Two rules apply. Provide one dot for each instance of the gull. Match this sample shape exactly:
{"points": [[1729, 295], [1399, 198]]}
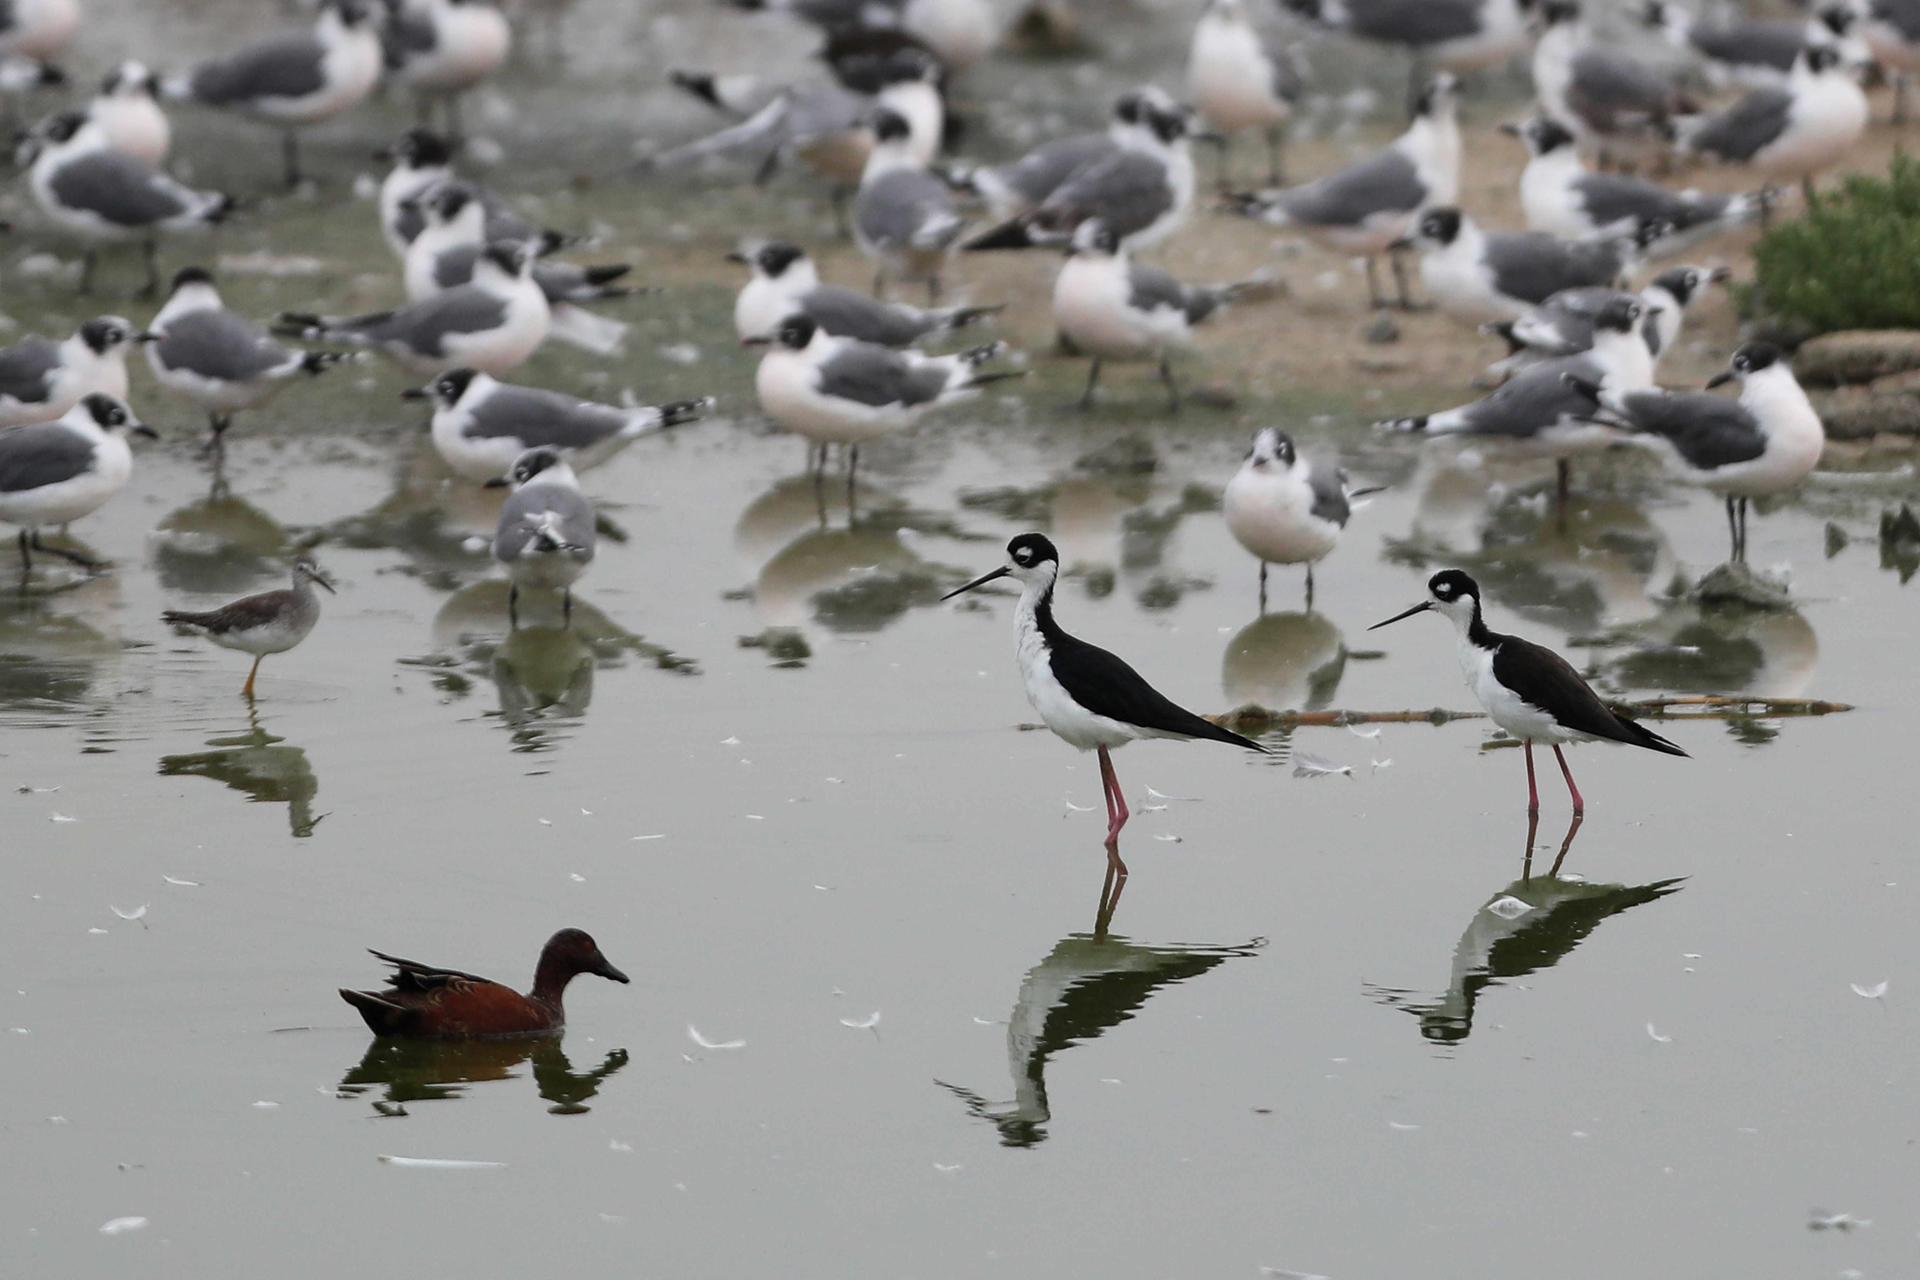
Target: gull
{"points": [[40, 379], [1787, 133], [1751, 54], [53, 473], [127, 109], [270, 622], [1240, 81], [1892, 33], [443, 48], [1109, 307], [297, 78], [422, 160], [38, 29], [1021, 186], [1563, 324], [100, 195], [1458, 36], [493, 323], [904, 219], [1283, 509], [480, 426], [1363, 210], [219, 360], [959, 32], [1527, 689], [1609, 98], [546, 533], [1483, 276], [786, 282]]}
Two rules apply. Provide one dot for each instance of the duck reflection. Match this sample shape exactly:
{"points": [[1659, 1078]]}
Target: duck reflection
{"points": [[404, 1071], [260, 766], [1086, 986], [1526, 927], [1768, 653], [1597, 562], [1284, 661], [219, 545]]}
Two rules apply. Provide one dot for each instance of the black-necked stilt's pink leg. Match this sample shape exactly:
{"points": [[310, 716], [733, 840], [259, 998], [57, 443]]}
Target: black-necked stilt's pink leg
{"points": [[1573, 829], [1579, 805], [1533, 792], [1120, 811]]}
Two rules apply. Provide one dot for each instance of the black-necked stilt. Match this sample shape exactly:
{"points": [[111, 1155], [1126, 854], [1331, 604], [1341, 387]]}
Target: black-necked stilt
{"points": [[480, 426], [1528, 690], [100, 195], [785, 282], [1796, 131], [41, 379], [843, 391], [52, 473], [1091, 699], [1613, 99], [271, 622], [1562, 197], [1240, 80], [1766, 442], [218, 359], [1143, 190], [1109, 307], [127, 109], [297, 78], [547, 531], [1367, 208], [1489, 276], [493, 323], [1285, 510]]}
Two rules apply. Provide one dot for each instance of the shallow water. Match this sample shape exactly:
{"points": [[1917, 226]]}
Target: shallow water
{"points": [[1332, 1026]]}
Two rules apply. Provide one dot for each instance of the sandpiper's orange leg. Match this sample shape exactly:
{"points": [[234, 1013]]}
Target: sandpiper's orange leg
{"points": [[247, 692]]}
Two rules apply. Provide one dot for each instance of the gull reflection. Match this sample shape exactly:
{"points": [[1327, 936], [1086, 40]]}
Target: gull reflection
{"points": [[1764, 653], [854, 580], [404, 1071], [1284, 661], [51, 657], [260, 766], [793, 506], [219, 545], [1526, 927], [1087, 985]]}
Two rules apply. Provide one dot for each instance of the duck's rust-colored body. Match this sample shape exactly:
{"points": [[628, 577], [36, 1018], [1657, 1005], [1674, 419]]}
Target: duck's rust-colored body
{"points": [[445, 1004]]}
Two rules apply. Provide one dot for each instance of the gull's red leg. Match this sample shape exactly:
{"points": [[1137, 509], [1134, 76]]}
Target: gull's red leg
{"points": [[1579, 805], [1533, 792]]}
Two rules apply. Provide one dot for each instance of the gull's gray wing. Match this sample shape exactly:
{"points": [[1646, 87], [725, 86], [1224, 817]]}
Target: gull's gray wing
{"points": [[540, 417], [1615, 198], [875, 376], [846, 313], [541, 512], [39, 455], [1128, 191], [1035, 176], [1329, 486], [1533, 266], [908, 208], [1385, 183], [1756, 44], [1611, 90], [1149, 289], [286, 66], [1413, 22], [218, 344], [1536, 397], [1902, 15], [408, 34], [1563, 324], [426, 325], [117, 188], [1707, 430], [25, 368], [1746, 126], [454, 267]]}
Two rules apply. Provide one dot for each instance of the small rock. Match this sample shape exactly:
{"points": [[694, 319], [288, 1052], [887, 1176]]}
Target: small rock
{"points": [[786, 646], [1382, 330], [1856, 413], [1857, 356], [1739, 586]]}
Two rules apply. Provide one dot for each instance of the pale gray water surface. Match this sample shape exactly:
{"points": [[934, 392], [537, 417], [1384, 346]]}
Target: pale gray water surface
{"points": [[1322, 1035]]}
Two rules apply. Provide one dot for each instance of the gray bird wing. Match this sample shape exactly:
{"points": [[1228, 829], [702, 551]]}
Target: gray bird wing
{"points": [[1614, 198], [539, 417], [1612, 91], [1284, 74], [1768, 44], [1385, 183], [1746, 126], [1128, 191], [875, 376], [1329, 486], [36, 456], [1413, 22], [218, 344], [846, 313], [1535, 398], [286, 66], [1902, 15], [426, 325], [503, 223], [1035, 176], [454, 267], [1563, 324], [25, 368], [530, 510], [1707, 430], [907, 208], [1533, 266], [118, 188], [1149, 288], [408, 34]]}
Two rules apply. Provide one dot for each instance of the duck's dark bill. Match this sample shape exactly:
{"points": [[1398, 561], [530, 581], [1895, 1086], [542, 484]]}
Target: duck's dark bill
{"points": [[608, 971], [980, 581], [1422, 607]]}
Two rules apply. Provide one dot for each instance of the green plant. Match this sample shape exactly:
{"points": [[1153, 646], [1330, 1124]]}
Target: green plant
{"points": [[1852, 260]]}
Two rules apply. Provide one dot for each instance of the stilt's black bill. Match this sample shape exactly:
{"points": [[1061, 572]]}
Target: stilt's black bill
{"points": [[1422, 607], [980, 581]]}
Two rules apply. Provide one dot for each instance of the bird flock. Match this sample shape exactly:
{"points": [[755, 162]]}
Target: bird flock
{"points": [[1587, 298]]}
